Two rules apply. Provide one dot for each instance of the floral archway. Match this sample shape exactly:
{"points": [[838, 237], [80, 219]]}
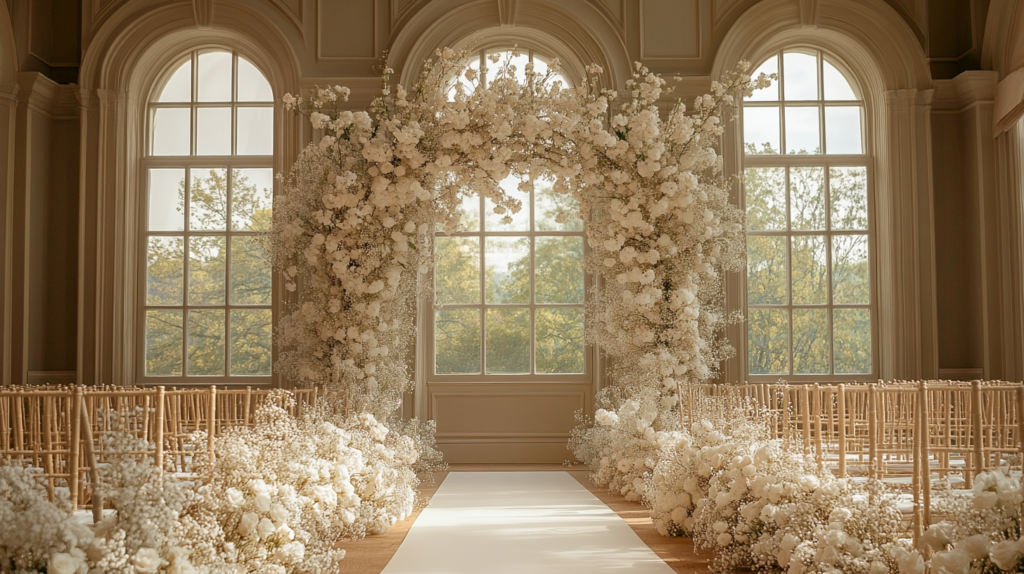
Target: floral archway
{"points": [[354, 227]]}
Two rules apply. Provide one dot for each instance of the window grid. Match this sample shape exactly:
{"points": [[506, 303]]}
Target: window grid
{"points": [[195, 166], [788, 162], [482, 234]]}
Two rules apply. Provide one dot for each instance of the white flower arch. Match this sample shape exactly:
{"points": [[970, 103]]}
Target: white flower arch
{"points": [[356, 218]]}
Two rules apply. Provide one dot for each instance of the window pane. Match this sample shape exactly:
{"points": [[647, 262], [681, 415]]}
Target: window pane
{"points": [[507, 261], [163, 342], [213, 131], [207, 263], [252, 85], [250, 272], [766, 270], [765, 189], [559, 340], [559, 274], [251, 334], [807, 198], [848, 188], [802, 129], [516, 221], [172, 131], [800, 76], [810, 270], [255, 131], [842, 130], [179, 86], [214, 80], [761, 130], [457, 341], [836, 85], [208, 199], [768, 341], [851, 333], [165, 269], [469, 214], [810, 342], [166, 200], [550, 207], [508, 341], [506, 56], [457, 270], [206, 342], [771, 93], [252, 199], [850, 284]]}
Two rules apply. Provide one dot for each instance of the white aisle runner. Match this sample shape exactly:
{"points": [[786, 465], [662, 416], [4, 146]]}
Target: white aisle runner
{"points": [[522, 523]]}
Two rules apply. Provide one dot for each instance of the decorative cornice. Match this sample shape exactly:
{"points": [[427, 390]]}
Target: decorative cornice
{"points": [[40, 93], [965, 90]]}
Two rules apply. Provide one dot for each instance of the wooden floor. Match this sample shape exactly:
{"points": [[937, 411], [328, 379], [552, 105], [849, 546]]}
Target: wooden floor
{"points": [[372, 554]]}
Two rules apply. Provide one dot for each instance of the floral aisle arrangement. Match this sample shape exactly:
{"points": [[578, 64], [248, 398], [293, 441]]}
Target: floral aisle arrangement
{"points": [[983, 533], [274, 499], [762, 505]]}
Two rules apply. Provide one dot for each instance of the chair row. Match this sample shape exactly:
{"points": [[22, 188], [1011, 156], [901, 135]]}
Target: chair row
{"points": [[59, 430], [906, 433]]}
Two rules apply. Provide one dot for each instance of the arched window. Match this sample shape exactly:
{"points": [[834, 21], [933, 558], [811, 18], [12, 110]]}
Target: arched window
{"points": [[510, 288], [810, 300], [205, 313]]}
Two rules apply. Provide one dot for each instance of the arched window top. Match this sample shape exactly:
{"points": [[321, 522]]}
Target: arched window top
{"points": [[813, 108], [219, 77], [215, 103], [492, 59]]}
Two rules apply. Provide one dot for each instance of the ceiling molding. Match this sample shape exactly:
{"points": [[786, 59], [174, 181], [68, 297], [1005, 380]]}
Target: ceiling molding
{"points": [[809, 13], [203, 10], [507, 12]]}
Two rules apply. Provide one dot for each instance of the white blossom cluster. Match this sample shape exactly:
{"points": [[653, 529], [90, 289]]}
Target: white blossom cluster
{"points": [[274, 499], [623, 446], [764, 505], [664, 232], [37, 535], [983, 534]]}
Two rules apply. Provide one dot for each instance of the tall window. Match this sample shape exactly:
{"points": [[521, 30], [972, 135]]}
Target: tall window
{"points": [[509, 288], [206, 286], [810, 299]]}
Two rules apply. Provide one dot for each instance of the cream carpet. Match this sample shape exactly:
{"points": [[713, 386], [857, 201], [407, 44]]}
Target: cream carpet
{"points": [[521, 522]]}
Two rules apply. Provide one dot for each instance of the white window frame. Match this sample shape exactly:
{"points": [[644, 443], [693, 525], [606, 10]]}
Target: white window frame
{"points": [[190, 163], [825, 161], [429, 349]]}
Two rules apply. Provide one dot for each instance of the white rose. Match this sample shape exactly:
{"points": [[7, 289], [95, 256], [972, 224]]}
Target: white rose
{"points": [[263, 502], [265, 528], [909, 561], [975, 546], [278, 513], [951, 562], [724, 539], [64, 563], [235, 496], [1004, 554], [290, 553], [147, 561], [879, 567], [287, 532], [789, 542], [248, 523], [985, 500]]}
